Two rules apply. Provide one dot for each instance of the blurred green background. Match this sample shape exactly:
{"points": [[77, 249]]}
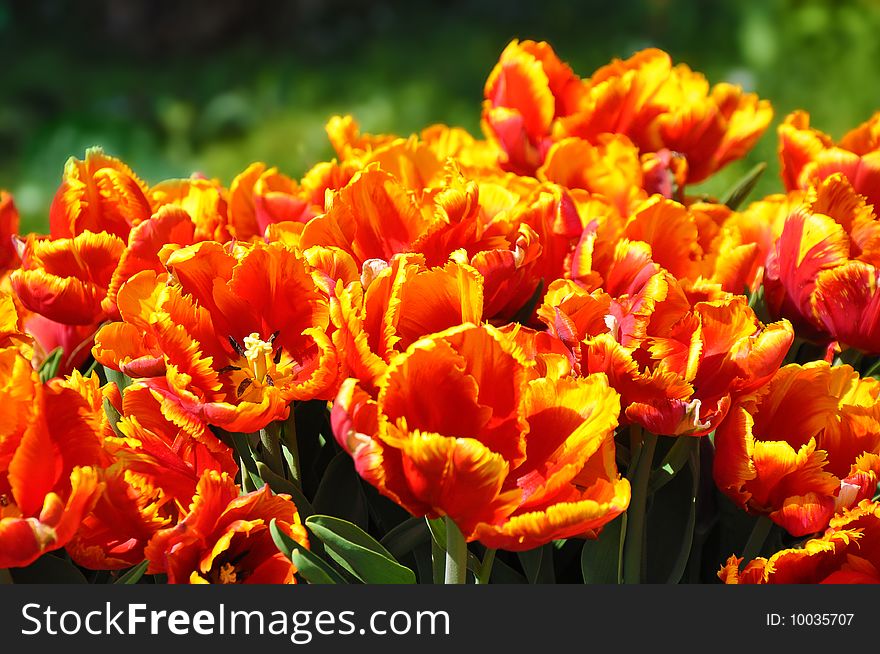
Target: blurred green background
{"points": [[211, 86]]}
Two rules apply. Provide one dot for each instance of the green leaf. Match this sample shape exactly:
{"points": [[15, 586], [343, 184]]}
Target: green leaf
{"points": [[49, 368], [358, 552], [340, 494], [406, 537], [133, 575], [309, 566], [250, 473], [504, 574], [680, 565], [121, 380], [113, 417], [600, 558], [282, 485], [675, 459], [538, 564], [737, 194], [49, 569], [671, 521]]}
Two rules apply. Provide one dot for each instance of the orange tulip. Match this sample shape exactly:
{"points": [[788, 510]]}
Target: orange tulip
{"points": [[66, 280], [219, 339], [662, 108], [149, 483], [407, 301], [205, 201], [802, 448], [516, 460], [809, 156], [610, 168], [225, 539], [373, 217], [492, 228], [822, 272], [98, 194], [482, 225], [418, 161], [262, 196], [527, 91], [169, 226], [50, 449], [847, 553], [677, 366]]}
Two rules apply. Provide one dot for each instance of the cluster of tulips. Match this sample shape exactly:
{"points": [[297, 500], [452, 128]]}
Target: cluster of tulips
{"points": [[444, 358]]}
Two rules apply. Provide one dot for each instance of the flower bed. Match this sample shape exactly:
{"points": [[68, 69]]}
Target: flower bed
{"points": [[534, 356]]}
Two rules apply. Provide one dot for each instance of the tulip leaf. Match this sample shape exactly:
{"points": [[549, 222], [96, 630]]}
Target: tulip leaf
{"points": [[538, 564], [358, 552], [671, 521], [406, 537], [680, 565], [676, 458], [281, 485], [309, 565], [49, 569], [737, 194], [113, 417], [600, 558], [121, 380], [134, 574], [49, 367], [504, 574], [340, 493], [250, 473]]}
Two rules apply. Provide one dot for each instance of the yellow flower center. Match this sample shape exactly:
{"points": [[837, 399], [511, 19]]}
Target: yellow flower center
{"points": [[259, 355], [227, 574]]}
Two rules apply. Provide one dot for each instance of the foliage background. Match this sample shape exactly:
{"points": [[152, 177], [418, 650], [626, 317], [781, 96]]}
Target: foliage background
{"points": [[211, 86]]}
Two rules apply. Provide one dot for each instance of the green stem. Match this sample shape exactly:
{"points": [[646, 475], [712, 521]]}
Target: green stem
{"points": [[756, 539], [270, 437], [290, 448], [633, 550], [486, 567], [456, 554], [438, 562], [5, 577]]}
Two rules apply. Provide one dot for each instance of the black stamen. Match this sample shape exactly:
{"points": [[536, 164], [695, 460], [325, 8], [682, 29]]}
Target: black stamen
{"points": [[236, 346], [269, 380], [274, 336], [277, 358], [226, 369], [243, 386]]}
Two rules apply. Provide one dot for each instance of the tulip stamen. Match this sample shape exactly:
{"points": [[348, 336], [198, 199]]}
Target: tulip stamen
{"points": [[228, 574], [258, 353], [243, 386], [236, 345]]}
